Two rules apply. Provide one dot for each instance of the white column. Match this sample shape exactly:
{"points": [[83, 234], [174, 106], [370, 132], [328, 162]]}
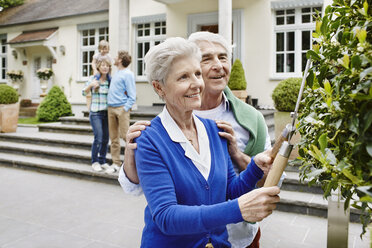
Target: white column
{"points": [[326, 3], [225, 19], [118, 26]]}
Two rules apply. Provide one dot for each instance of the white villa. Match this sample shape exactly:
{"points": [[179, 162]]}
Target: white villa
{"points": [[269, 37]]}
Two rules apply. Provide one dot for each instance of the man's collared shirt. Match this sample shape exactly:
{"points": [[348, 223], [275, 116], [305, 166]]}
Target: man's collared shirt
{"points": [[224, 112], [122, 90]]}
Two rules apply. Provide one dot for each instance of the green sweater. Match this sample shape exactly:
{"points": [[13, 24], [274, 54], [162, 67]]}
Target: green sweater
{"points": [[250, 119]]}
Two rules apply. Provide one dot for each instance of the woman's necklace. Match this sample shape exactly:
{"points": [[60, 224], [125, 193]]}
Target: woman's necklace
{"points": [[193, 139]]}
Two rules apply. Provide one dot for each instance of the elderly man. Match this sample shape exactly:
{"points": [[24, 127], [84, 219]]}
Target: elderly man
{"points": [[244, 126]]}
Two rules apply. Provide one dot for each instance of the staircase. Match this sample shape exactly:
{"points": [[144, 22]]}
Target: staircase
{"points": [[63, 148], [28, 111]]}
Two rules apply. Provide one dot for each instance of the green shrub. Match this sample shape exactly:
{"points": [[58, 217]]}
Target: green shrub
{"points": [[8, 94], [53, 106], [237, 77], [285, 94], [10, 3], [335, 125]]}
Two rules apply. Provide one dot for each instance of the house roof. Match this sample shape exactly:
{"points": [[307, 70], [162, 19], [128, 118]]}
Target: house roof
{"points": [[36, 35], [42, 10]]}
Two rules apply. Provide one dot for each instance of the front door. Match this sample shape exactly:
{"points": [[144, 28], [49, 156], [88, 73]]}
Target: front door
{"points": [[39, 61]]}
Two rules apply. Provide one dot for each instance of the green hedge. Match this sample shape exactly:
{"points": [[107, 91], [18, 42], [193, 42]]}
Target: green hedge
{"points": [[10, 3], [53, 106], [336, 121], [8, 94], [237, 78], [285, 94]]}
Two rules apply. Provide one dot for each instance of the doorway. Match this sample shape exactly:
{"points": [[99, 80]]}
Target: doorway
{"points": [[210, 28], [39, 61], [209, 22]]}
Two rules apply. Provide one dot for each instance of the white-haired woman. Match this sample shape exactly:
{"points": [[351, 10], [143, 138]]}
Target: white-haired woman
{"points": [[183, 164]]}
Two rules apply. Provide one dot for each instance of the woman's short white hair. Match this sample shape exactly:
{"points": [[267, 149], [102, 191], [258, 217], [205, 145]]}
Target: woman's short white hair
{"points": [[211, 37], [159, 58]]}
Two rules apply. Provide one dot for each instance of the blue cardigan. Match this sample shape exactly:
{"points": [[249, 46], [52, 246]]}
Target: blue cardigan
{"points": [[185, 210]]}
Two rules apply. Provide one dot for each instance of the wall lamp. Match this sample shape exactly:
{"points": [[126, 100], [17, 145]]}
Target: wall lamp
{"points": [[15, 54], [62, 49]]}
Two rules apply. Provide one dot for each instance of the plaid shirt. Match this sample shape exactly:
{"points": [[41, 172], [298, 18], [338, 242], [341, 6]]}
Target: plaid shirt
{"points": [[99, 96]]}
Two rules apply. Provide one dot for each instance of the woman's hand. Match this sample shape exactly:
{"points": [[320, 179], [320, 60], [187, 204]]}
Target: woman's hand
{"points": [[129, 167], [264, 161], [259, 203], [94, 84]]}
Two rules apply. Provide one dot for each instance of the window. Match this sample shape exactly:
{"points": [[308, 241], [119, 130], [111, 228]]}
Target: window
{"points": [[3, 59], [147, 35], [90, 37], [293, 38]]}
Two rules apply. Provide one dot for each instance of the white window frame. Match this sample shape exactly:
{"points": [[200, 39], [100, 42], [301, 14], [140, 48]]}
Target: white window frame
{"points": [[3, 58], [152, 39], [298, 27], [90, 48], [195, 21]]}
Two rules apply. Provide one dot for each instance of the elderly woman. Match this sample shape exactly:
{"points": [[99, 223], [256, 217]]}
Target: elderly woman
{"points": [[98, 85], [184, 166]]}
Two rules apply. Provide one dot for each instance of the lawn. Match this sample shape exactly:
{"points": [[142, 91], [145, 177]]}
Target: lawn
{"points": [[30, 120]]}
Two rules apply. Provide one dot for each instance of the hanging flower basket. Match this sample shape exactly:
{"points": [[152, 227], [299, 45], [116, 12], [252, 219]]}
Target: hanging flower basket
{"points": [[15, 75], [44, 73]]}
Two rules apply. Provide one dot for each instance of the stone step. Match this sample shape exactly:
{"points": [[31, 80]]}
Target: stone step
{"points": [[71, 157], [28, 111], [31, 135], [50, 152], [72, 120], [135, 115], [290, 201], [84, 121], [53, 144], [58, 127], [292, 183], [309, 204], [141, 113], [51, 166], [150, 112], [145, 114]]}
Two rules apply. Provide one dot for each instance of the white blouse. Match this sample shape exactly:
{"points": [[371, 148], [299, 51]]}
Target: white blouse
{"points": [[201, 160]]}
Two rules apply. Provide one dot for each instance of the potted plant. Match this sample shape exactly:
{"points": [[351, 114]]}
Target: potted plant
{"points": [[335, 124], [16, 76], [9, 109], [285, 95], [237, 82], [44, 74]]}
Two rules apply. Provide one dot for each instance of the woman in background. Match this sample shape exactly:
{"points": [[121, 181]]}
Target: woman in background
{"points": [[98, 86]]}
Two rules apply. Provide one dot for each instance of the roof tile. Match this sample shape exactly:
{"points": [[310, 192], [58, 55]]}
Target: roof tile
{"points": [[41, 10], [35, 35]]}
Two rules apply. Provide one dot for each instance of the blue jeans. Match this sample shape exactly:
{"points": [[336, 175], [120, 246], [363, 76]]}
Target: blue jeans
{"points": [[99, 122]]}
